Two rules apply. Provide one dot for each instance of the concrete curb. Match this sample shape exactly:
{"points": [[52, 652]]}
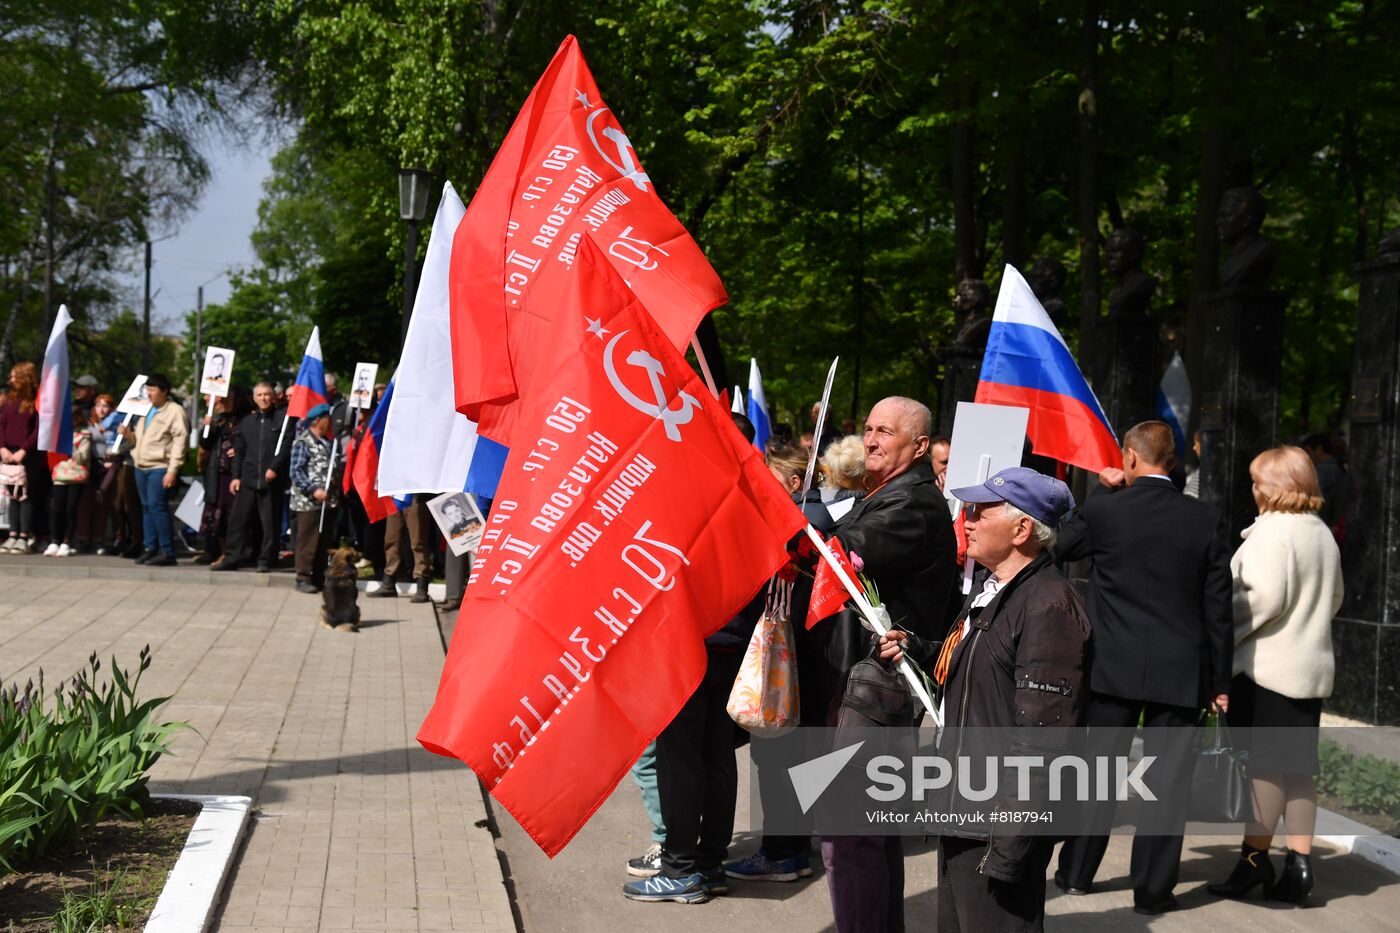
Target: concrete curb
{"points": [[1360, 840], [191, 893]]}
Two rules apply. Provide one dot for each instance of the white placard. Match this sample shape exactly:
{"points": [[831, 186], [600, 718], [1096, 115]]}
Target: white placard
{"points": [[362, 386], [134, 402], [218, 370], [459, 520], [997, 432], [191, 509]]}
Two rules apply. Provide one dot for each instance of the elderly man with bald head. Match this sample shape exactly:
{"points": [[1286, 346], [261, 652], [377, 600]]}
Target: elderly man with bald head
{"points": [[904, 536]]}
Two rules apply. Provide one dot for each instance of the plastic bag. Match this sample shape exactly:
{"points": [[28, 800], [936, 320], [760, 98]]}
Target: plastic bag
{"points": [[764, 699]]}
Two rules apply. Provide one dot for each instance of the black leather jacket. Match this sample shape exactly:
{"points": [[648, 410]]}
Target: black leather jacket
{"points": [[904, 536], [253, 447], [1023, 671]]}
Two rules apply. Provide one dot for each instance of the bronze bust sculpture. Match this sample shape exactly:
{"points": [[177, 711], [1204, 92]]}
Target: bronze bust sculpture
{"points": [[1046, 278], [972, 307], [1133, 293], [1252, 257]]}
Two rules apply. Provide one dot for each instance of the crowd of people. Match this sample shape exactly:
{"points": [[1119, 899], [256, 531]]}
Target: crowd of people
{"points": [[265, 477], [1165, 627]]}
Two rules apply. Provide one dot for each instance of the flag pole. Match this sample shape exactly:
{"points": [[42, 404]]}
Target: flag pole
{"points": [[330, 471], [871, 616], [281, 433], [984, 466], [817, 438], [209, 411], [704, 365]]}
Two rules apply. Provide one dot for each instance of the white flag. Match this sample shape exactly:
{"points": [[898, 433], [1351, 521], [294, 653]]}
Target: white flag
{"points": [[428, 445]]}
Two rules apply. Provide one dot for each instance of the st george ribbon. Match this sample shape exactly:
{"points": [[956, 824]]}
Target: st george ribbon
{"points": [[631, 521], [566, 172]]}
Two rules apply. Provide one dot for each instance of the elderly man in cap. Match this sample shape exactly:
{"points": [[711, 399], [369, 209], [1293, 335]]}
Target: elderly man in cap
{"points": [[85, 392], [315, 482], [1015, 660]]}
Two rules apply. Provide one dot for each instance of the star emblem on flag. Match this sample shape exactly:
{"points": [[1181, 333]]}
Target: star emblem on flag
{"points": [[596, 328], [582, 98]]}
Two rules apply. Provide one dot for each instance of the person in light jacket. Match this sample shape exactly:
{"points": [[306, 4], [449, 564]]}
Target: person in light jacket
{"points": [[1287, 589], [159, 444]]}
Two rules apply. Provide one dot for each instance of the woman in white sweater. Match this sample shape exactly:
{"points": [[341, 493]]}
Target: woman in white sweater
{"points": [[1287, 589]]}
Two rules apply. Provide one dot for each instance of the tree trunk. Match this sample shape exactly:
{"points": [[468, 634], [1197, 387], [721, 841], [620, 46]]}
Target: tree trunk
{"points": [[7, 342], [963, 97], [1013, 200], [1088, 200], [1214, 163]]}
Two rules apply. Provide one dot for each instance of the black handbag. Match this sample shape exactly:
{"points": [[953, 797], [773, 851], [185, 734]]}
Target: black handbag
{"points": [[877, 695], [1220, 791]]}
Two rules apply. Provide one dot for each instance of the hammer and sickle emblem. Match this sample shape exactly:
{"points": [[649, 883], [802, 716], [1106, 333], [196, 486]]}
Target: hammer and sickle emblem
{"points": [[672, 418], [621, 146]]}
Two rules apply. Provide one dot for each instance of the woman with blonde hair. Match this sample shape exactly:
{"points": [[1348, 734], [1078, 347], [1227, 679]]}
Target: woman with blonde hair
{"points": [[843, 467], [1287, 588]]}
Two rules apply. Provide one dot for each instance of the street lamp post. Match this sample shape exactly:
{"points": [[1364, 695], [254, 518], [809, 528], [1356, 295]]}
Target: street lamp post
{"points": [[415, 184]]}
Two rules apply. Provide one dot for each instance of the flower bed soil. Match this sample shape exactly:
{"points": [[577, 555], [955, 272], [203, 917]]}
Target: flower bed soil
{"points": [[145, 851]]}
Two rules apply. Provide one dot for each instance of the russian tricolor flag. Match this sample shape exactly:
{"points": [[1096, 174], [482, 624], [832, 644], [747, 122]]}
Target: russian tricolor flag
{"points": [[309, 390], [1028, 365], [758, 408], [55, 401], [364, 471]]}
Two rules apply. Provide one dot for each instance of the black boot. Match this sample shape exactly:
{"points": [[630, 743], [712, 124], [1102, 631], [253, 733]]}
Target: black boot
{"points": [[420, 595], [1296, 882], [386, 587], [1253, 868]]}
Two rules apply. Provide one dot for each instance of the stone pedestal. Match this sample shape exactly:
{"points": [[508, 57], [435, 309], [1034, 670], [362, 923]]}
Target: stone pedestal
{"points": [[1124, 369], [1239, 395], [961, 367], [1366, 633]]}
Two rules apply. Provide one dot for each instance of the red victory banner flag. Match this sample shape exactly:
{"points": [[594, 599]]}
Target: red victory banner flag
{"points": [[634, 521], [565, 172]]}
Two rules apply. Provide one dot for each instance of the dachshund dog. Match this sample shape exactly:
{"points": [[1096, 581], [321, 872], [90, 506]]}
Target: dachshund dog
{"points": [[340, 608]]}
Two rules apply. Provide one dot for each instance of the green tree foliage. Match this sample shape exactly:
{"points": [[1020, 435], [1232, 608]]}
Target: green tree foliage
{"points": [[810, 145], [101, 112]]}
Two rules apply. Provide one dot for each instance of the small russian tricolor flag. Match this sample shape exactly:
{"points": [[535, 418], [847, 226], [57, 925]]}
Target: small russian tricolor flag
{"points": [[1028, 365], [309, 390]]}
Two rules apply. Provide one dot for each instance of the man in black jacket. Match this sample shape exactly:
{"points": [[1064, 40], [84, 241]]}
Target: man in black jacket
{"points": [[260, 477], [904, 536], [1159, 601], [1012, 670]]}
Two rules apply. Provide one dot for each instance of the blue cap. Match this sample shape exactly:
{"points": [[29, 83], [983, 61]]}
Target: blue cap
{"points": [[1041, 497], [317, 412]]}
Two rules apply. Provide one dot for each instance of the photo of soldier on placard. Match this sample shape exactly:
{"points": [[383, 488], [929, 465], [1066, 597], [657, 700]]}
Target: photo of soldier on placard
{"points": [[218, 365], [459, 520], [362, 387]]}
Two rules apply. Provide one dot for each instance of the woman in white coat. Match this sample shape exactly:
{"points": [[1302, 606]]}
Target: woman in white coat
{"points": [[1287, 589]]}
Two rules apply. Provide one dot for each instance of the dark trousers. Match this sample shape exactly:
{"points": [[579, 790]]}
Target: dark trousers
{"points": [[865, 878], [22, 515], [313, 541], [126, 506], [249, 506], [1156, 858], [696, 775], [66, 497], [969, 900], [775, 793]]}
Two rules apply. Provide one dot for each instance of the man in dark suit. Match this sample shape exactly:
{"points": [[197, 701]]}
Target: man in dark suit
{"points": [[1159, 603]]}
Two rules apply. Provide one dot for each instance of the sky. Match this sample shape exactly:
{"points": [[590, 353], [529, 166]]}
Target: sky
{"points": [[212, 239]]}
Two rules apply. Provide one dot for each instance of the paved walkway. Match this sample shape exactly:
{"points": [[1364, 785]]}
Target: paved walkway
{"points": [[356, 828]]}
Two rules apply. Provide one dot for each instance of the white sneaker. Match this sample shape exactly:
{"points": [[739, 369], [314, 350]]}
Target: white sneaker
{"points": [[63, 551], [8, 545], [24, 545], [51, 550]]}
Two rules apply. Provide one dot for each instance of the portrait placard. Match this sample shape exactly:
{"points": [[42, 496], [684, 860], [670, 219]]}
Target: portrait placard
{"points": [[218, 368], [459, 519], [134, 401], [362, 386]]}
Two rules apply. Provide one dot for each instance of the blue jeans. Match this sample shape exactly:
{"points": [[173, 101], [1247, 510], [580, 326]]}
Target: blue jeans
{"points": [[155, 511]]}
